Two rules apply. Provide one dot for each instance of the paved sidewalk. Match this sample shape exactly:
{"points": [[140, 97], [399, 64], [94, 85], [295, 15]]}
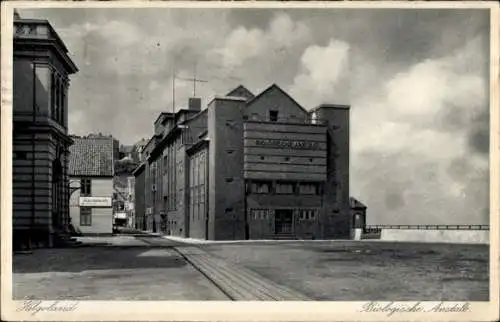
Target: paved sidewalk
{"points": [[103, 273], [238, 283], [195, 241], [121, 240]]}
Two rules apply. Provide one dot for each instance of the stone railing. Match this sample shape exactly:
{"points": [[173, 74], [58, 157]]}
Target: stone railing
{"points": [[429, 227], [30, 29]]}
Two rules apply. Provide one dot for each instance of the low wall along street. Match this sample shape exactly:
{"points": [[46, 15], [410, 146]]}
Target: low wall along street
{"points": [[472, 236]]}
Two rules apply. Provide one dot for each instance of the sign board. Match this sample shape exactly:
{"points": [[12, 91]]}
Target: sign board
{"points": [[95, 202], [289, 144], [121, 215], [149, 211]]}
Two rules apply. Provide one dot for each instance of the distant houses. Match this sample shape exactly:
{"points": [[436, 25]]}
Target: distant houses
{"points": [[124, 183]]}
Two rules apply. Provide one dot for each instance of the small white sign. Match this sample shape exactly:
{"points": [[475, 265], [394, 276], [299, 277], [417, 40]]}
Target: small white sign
{"points": [[95, 202], [121, 215]]}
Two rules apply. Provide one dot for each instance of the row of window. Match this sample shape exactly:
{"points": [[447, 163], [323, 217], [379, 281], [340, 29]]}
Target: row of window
{"points": [[264, 187], [273, 116], [265, 214], [308, 214], [171, 167]]}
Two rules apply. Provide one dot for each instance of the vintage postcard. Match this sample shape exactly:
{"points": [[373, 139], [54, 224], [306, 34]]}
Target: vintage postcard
{"points": [[264, 161]]}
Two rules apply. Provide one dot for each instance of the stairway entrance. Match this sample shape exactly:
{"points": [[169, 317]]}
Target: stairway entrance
{"points": [[283, 221]]}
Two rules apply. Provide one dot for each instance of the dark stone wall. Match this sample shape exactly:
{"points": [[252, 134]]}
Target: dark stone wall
{"points": [[336, 217], [226, 184]]}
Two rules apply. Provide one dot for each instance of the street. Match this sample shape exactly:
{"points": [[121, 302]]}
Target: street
{"points": [[144, 267], [113, 268]]}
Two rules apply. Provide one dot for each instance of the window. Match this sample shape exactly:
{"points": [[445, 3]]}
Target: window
{"points": [[308, 189], [261, 187], [85, 216], [284, 188], [57, 99], [259, 214], [165, 164], [53, 96], [273, 116], [21, 155], [61, 101], [85, 187], [314, 118], [308, 214], [64, 106]]}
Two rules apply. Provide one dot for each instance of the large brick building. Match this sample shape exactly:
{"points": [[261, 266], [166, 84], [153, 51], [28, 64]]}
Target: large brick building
{"points": [[41, 71], [247, 167]]}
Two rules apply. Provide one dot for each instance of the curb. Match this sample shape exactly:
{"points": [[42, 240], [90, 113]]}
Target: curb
{"points": [[238, 283]]}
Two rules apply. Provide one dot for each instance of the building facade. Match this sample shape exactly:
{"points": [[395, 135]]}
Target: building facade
{"points": [[91, 171], [139, 197], [249, 167], [124, 192], [41, 71]]}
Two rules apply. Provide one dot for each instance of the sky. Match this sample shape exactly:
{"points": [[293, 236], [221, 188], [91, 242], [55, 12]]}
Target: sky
{"points": [[416, 80]]}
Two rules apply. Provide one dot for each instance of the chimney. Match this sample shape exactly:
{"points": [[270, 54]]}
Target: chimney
{"points": [[194, 104]]}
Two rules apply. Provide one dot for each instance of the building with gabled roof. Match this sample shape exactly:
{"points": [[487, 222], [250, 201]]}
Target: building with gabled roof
{"points": [[91, 172], [248, 167], [241, 91]]}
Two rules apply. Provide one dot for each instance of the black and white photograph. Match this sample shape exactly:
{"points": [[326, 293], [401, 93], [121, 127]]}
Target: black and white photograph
{"points": [[207, 154]]}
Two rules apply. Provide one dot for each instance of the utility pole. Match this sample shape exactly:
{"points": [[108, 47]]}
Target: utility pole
{"points": [[173, 90]]}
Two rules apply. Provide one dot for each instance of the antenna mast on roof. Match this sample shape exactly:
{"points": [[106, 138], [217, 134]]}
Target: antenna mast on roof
{"points": [[194, 80], [173, 87]]}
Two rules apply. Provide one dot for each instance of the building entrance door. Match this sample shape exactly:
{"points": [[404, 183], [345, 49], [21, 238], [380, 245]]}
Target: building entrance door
{"points": [[283, 221]]}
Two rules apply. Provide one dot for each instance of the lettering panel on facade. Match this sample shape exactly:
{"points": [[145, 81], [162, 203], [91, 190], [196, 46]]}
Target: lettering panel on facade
{"points": [[286, 144], [285, 152]]}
